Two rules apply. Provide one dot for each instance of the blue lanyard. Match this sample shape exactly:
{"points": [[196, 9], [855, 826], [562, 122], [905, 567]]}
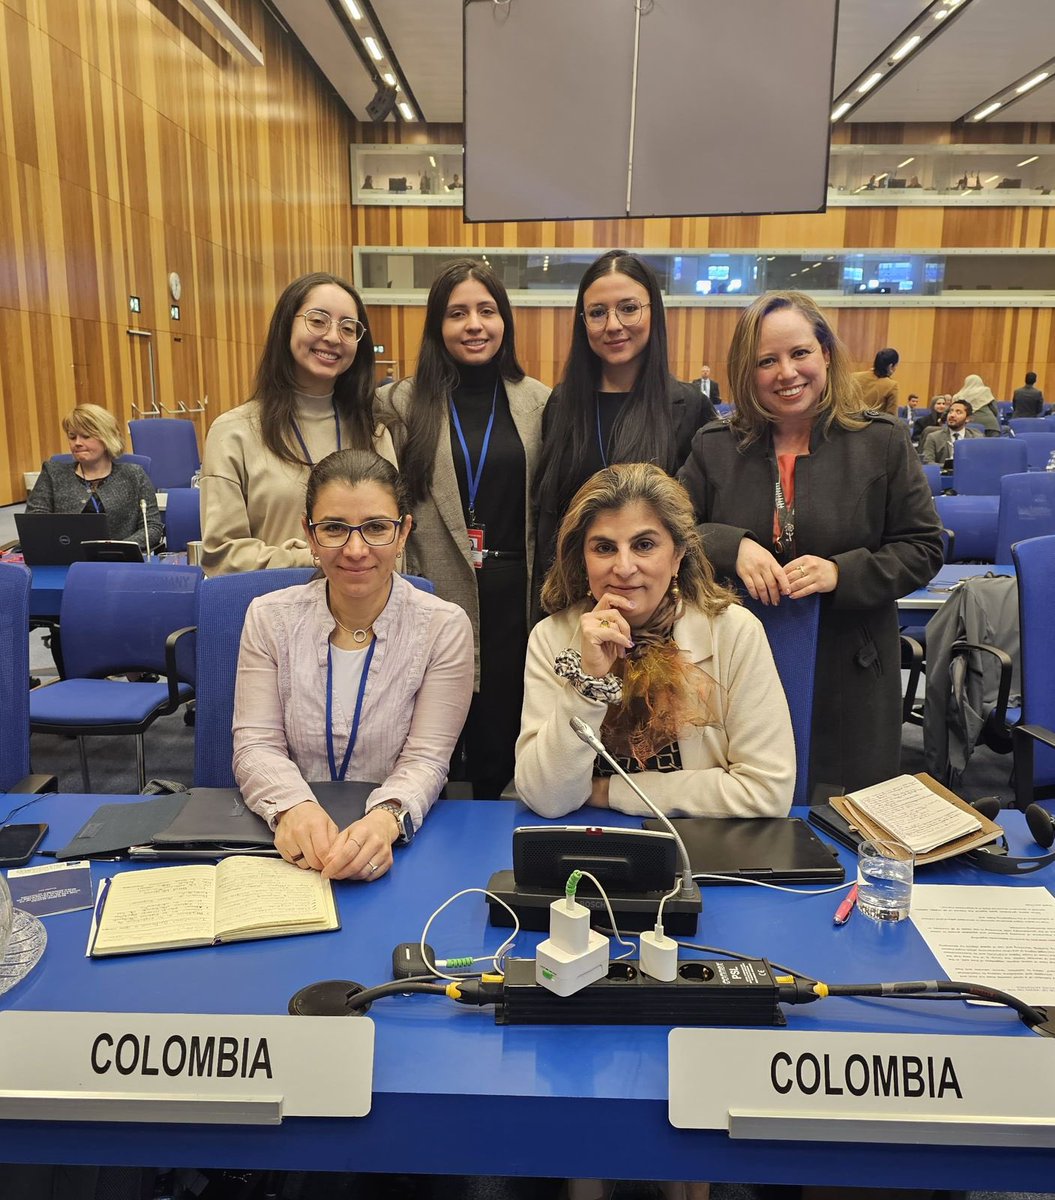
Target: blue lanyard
{"points": [[600, 442], [296, 429], [334, 776], [472, 479]]}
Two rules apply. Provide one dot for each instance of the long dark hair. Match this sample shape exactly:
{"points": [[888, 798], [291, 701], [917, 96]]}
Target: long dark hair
{"points": [[275, 382], [437, 376], [643, 432]]}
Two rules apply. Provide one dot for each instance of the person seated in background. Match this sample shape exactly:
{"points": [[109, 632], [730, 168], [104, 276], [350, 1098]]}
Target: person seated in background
{"points": [[939, 406], [675, 675], [97, 481], [982, 404], [940, 444], [356, 674], [1028, 401], [878, 389]]}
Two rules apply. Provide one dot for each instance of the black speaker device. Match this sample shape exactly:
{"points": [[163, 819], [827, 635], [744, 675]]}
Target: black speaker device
{"points": [[383, 103]]}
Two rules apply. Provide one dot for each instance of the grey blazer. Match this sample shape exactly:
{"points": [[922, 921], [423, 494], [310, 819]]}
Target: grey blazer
{"points": [[439, 542], [937, 443]]}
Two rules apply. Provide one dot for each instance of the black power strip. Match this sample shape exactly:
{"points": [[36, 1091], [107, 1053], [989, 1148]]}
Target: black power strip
{"points": [[704, 993]]}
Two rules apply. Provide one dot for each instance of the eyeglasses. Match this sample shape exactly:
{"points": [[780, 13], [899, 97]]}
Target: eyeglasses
{"points": [[627, 312], [380, 531], [319, 324]]}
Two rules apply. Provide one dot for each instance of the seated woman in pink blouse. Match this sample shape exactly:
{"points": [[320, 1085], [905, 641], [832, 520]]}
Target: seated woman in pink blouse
{"points": [[354, 675]]}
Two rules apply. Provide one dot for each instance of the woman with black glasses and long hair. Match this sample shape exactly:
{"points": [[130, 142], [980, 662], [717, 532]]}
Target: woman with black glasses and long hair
{"points": [[617, 401], [313, 394]]}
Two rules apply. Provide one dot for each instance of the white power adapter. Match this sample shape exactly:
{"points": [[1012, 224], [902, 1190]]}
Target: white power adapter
{"points": [[574, 955], [659, 955]]}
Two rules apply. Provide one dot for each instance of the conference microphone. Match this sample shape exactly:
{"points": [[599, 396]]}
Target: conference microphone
{"points": [[587, 735], [146, 529]]}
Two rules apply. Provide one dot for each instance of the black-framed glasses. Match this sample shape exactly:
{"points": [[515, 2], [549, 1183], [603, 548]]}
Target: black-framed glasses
{"points": [[319, 323], [378, 531], [627, 312]]}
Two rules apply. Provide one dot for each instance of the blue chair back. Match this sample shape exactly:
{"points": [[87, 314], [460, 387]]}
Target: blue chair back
{"points": [[1021, 425], [1034, 561], [933, 474], [1027, 510], [182, 517], [1039, 448], [14, 674], [1049, 420], [138, 460], [979, 464], [973, 520], [222, 605], [172, 444], [115, 617], [791, 628]]}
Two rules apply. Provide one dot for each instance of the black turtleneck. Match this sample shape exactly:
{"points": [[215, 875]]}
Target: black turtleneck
{"points": [[500, 499]]}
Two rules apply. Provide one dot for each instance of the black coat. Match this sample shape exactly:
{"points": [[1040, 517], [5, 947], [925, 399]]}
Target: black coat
{"points": [[688, 412], [861, 500], [1027, 402]]}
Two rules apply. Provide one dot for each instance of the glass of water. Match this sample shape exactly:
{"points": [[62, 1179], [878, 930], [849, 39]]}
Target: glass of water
{"points": [[884, 879]]}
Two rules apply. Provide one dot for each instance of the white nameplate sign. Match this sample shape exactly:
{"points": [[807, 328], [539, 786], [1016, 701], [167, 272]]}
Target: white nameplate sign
{"points": [[235, 1069], [834, 1087]]}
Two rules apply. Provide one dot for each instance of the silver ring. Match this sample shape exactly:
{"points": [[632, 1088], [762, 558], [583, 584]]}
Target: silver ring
{"points": [[373, 867]]}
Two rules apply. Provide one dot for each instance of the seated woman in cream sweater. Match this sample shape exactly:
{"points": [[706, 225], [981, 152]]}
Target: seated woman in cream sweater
{"points": [[313, 394], [675, 675]]}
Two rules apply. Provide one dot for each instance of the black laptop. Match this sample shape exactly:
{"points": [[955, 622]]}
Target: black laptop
{"points": [[57, 539]]}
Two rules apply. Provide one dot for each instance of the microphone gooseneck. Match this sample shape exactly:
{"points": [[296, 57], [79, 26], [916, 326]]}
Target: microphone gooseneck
{"points": [[146, 528], [586, 734]]}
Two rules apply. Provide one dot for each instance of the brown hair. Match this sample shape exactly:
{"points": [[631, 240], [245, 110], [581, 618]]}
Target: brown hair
{"points": [[91, 421], [841, 401], [662, 691]]}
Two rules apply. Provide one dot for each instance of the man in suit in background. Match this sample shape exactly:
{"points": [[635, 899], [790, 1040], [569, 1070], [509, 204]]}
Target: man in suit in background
{"points": [[708, 387], [1028, 401], [939, 444]]}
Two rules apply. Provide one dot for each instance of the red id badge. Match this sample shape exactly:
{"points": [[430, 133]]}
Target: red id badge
{"points": [[476, 545]]}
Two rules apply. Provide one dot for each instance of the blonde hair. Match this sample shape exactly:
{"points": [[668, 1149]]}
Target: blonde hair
{"points": [[91, 421], [841, 401], [614, 488]]}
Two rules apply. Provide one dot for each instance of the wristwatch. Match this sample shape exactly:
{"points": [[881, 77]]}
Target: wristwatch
{"points": [[403, 820]]}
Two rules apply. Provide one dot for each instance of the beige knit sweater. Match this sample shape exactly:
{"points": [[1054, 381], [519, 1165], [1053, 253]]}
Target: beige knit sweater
{"points": [[251, 502]]}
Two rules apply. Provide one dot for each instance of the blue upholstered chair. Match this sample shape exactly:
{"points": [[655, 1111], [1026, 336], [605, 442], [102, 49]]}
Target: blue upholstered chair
{"points": [[119, 618], [1021, 425], [1027, 510], [172, 445], [979, 464], [791, 628], [14, 674], [972, 520], [182, 517], [222, 605], [933, 474], [1033, 740], [137, 460], [1039, 448]]}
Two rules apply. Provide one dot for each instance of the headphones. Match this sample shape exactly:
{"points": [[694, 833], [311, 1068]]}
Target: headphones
{"points": [[996, 857]]}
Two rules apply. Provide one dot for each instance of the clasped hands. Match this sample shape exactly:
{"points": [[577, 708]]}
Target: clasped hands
{"points": [[306, 836], [767, 581]]}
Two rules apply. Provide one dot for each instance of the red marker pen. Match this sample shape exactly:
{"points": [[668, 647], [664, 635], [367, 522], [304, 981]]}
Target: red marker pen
{"points": [[842, 913]]}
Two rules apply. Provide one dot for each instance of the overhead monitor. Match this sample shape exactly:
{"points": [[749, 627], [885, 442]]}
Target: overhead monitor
{"points": [[611, 108]]}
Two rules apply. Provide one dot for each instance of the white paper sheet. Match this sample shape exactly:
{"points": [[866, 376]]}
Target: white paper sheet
{"points": [[1003, 937]]}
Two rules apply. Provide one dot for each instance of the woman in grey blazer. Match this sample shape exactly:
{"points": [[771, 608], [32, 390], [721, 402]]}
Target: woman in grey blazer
{"points": [[97, 480], [467, 430]]}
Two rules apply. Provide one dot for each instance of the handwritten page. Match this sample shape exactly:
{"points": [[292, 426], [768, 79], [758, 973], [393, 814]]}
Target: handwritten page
{"points": [[170, 906], [266, 893], [1003, 937], [909, 810]]}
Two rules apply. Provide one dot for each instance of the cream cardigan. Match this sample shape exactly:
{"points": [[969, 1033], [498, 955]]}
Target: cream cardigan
{"points": [[742, 767]]}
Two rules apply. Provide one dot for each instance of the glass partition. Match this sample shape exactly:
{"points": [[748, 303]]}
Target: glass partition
{"points": [[547, 277], [407, 174]]}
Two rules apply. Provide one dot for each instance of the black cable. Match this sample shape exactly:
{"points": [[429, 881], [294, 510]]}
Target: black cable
{"points": [[394, 987], [1030, 1016]]}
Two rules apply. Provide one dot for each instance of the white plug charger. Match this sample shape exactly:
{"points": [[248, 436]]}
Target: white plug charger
{"points": [[659, 955], [574, 955]]}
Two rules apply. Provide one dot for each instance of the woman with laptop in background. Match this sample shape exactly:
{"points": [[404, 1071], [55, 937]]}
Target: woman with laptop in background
{"points": [[674, 675], [355, 675], [313, 394], [97, 481]]}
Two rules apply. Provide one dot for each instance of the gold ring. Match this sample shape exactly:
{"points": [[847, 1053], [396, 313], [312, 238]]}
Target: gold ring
{"points": [[605, 623], [802, 570]]}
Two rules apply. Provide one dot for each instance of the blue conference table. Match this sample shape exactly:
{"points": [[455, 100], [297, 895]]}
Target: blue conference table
{"points": [[934, 594], [453, 1093]]}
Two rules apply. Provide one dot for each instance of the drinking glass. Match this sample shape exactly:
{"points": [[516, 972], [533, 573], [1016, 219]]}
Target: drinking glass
{"points": [[884, 879]]}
